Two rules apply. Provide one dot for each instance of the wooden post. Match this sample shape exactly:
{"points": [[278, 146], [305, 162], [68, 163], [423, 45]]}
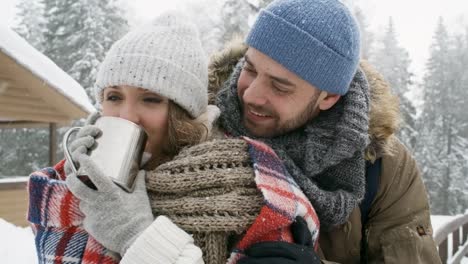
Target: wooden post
{"points": [[52, 144], [465, 235], [455, 241], [443, 251]]}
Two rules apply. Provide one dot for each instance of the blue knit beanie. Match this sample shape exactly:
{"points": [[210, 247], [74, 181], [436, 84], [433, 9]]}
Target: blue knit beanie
{"points": [[316, 39]]}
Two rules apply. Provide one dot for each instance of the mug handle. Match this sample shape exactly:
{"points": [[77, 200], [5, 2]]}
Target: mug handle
{"points": [[67, 151]]}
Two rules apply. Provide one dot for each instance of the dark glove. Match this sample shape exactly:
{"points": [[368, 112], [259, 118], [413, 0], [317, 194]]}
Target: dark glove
{"points": [[302, 252]]}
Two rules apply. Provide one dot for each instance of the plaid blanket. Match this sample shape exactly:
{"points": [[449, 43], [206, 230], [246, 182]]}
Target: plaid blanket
{"points": [[283, 202], [57, 221]]}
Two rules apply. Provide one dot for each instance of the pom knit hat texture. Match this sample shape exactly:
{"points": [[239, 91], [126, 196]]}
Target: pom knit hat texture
{"points": [[318, 40], [165, 57]]}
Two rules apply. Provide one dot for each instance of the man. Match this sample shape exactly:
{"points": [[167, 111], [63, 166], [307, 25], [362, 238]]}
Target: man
{"points": [[299, 89]]}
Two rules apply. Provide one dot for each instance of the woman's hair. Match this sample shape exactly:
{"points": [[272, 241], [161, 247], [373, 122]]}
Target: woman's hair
{"points": [[183, 131]]}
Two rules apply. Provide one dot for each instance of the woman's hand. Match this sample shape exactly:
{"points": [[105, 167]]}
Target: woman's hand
{"points": [[113, 216], [84, 140]]}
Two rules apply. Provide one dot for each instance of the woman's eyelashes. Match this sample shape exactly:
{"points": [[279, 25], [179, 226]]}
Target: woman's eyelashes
{"points": [[152, 99], [113, 97]]}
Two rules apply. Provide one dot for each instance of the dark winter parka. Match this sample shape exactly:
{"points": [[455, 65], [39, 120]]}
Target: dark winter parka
{"points": [[398, 229]]}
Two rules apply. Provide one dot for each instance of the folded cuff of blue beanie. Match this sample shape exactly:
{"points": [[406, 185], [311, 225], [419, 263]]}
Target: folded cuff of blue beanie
{"points": [[301, 53]]}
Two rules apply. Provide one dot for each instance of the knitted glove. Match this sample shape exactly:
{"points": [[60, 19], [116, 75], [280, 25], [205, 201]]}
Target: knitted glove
{"points": [[283, 252], [113, 217], [84, 140]]}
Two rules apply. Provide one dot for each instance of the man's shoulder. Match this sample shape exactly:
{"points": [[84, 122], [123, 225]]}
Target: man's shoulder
{"points": [[398, 165], [400, 179]]}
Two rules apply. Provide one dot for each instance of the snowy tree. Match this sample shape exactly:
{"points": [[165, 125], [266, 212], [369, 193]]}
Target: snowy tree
{"points": [[263, 3], [30, 22], [393, 63], [23, 150], [79, 33], [367, 37], [460, 61], [442, 148], [236, 15], [205, 14]]}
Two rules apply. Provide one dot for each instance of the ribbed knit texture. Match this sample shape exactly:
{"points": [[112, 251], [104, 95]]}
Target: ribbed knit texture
{"points": [[219, 189], [165, 57], [209, 191], [326, 156], [163, 242], [318, 40]]}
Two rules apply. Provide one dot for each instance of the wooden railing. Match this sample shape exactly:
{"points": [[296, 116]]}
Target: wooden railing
{"points": [[457, 231], [14, 200]]}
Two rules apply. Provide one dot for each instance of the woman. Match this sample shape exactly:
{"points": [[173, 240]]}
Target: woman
{"points": [[156, 77]]}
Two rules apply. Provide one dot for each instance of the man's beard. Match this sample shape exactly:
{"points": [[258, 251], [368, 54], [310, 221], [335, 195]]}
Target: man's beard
{"points": [[309, 113]]}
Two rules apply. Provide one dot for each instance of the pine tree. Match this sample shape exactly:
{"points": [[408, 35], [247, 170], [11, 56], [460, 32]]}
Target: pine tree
{"points": [[236, 15], [460, 62], [393, 63], [263, 3], [442, 150], [23, 150], [367, 37], [210, 26], [30, 22], [79, 33]]}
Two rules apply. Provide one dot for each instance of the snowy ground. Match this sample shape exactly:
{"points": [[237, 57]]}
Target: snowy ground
{"points": [[17, 243]]}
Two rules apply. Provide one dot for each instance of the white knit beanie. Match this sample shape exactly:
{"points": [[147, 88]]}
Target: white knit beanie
{"points": [[165, 57]]}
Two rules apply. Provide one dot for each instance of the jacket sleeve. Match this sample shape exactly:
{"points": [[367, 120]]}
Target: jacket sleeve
{"points": [[399, 228], [163, 242]]}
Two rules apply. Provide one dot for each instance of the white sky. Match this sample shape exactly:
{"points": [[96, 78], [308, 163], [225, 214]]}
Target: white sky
{"points": [[415, 20]]}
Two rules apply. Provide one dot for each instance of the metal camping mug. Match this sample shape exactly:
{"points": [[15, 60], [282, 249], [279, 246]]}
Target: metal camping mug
{"points": [[118, 150]]}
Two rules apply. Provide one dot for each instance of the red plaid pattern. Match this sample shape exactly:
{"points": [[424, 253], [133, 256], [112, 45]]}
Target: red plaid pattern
{"points": [[283, 202], [57, 222]]}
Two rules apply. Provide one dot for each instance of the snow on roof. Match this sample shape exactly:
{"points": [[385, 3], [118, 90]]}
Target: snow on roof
{"points": [[41, 66]]}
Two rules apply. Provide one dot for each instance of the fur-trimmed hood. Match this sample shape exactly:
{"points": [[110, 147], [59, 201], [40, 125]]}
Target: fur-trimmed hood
{"points": [[384, 109]]}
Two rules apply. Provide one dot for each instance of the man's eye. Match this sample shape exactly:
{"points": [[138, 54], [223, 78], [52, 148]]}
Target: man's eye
{"points": [[280, 89], [248, 69]]}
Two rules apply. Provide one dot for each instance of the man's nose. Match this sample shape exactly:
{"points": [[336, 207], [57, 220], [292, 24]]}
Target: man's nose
{"points": [[130, 112], [255, 94]]}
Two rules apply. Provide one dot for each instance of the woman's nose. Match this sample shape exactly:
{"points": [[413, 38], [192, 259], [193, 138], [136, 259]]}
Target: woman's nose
{"points": [[130, 113]]}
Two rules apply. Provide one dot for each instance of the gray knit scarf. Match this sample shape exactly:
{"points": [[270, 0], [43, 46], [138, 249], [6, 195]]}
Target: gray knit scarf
{"points": [[326, 156]]}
